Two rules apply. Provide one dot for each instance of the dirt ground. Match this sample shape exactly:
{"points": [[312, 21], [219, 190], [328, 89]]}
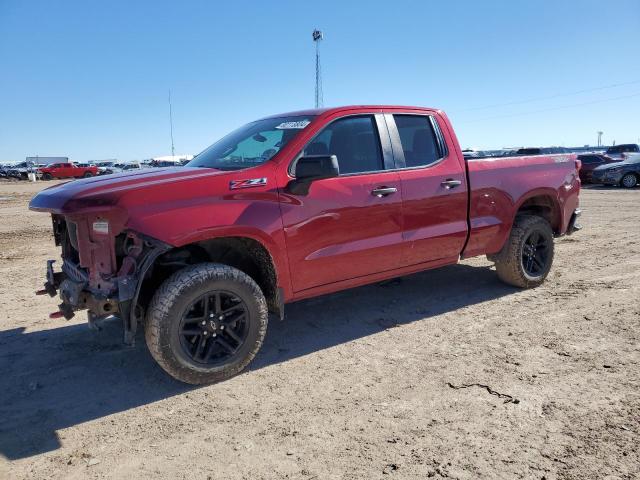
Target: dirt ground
{"points": [[351, 385]]}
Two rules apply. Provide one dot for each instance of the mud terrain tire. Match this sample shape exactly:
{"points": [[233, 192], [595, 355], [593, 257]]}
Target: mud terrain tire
{"points": [[526, 258], [204, 289]]}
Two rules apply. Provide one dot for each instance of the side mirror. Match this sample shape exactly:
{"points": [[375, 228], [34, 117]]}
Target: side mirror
{"points": [[311, 168]]}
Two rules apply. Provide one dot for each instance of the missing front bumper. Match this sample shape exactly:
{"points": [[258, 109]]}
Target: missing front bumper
{"points": [[121, 300], [71, 286]]}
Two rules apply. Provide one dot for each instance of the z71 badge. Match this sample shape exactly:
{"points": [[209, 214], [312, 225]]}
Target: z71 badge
{"points": [[251, 182]]}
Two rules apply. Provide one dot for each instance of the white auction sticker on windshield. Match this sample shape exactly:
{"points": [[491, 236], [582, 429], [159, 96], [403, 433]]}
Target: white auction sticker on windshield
{"points": [[288, 125]]}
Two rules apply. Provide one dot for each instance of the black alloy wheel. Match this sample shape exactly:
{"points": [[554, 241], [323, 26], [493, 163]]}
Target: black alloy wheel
{"points": [[213, 328], [206, 322], [526, 257], [535, 254]]}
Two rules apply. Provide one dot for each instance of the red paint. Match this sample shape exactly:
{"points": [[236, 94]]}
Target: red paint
{"points": [[68, 170], [435, 218], [339, 235], [341, 231]]}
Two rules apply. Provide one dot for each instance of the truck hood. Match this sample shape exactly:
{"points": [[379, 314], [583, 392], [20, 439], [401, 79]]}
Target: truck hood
{"points": [[102, 192]]}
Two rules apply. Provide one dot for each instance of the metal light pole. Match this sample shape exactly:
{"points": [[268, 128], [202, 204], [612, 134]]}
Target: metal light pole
{"points": [[600, 138], [173, 152], [317, 38]]}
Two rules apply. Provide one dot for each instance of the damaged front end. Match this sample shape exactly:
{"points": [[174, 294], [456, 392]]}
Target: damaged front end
{"points": [[103, 268]]}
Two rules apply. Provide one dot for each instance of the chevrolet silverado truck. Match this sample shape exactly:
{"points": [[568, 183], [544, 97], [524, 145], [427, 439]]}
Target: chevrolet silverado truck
{"points": [[289, 207], [67, 170]]}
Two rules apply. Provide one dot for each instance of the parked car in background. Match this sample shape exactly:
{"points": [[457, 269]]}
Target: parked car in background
{"points": [[21, 170], [67, 170], [166, 163], [106, 168], [541, 151], [625, 173], [617, 151], [131, 166], [469, 153], [630, 156], [590, 161]]}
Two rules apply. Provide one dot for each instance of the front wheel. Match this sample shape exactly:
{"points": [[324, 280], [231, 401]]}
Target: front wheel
{"points": [[629, 180], [88, 175], [206, 323], [47, 176], [526, 259]]}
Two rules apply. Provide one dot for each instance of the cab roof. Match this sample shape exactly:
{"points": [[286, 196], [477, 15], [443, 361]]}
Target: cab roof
{"points": [[320, 111]]}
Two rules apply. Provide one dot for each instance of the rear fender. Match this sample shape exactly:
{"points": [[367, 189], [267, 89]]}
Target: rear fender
{"points": [[543, 197]]}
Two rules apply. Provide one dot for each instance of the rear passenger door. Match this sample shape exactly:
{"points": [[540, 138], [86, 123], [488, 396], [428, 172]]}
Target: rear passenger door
{"points": [[434, 188]]}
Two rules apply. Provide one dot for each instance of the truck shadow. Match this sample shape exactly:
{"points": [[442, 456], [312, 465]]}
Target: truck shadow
{"points": [[54, 379]]}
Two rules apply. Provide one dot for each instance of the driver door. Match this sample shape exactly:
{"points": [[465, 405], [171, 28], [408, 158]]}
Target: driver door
{"points": [[342, 228]]}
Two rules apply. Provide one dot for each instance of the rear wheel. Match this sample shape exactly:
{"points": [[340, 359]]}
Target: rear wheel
{"points": [[206, 323], [629, 180], [526, 259]]}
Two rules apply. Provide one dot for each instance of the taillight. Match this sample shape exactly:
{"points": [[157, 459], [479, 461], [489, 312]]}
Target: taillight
{"points": [[578, 164]]}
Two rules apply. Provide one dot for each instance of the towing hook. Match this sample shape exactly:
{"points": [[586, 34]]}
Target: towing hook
{"points": [[64, 310], [48, 289]]}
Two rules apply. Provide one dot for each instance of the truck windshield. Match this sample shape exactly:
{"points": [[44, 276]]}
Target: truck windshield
{"points": [[252, 144]]}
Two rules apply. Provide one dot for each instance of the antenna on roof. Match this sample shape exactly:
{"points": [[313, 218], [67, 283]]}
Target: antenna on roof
{"points": [[317, 38], [171, 125]]}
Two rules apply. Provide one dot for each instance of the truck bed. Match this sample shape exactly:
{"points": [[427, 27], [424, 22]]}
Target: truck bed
{"points": [[498, 187]]}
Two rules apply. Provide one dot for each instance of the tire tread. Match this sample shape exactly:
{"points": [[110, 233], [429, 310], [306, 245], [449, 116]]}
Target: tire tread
{"points": [[508, 263], [165, 297]]}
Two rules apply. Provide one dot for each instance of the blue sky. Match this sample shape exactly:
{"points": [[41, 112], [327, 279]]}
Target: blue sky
{"points": [[89, 79]]}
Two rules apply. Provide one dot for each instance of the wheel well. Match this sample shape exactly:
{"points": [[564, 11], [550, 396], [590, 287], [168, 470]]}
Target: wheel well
{"points": [[245, 254], [543, 206]]}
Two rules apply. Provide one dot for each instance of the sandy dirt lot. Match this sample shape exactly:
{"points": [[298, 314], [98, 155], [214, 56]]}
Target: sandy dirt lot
{"points": [[351, 385]]}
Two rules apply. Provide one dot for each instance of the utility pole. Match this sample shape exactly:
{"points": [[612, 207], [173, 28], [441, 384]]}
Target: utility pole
{"points": [[599, 138], [317, 38], [173, 151]]}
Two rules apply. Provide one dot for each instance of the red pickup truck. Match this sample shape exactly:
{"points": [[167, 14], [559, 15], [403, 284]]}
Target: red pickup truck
{"points": [[289, 207], [67, 170]]}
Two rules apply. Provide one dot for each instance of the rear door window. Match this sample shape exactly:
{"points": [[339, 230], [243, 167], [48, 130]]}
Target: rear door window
{"points": [[419, 141]]}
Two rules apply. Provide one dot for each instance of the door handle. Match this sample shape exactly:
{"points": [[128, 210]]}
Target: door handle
{"points": [[449, 183], [383, 191]]}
